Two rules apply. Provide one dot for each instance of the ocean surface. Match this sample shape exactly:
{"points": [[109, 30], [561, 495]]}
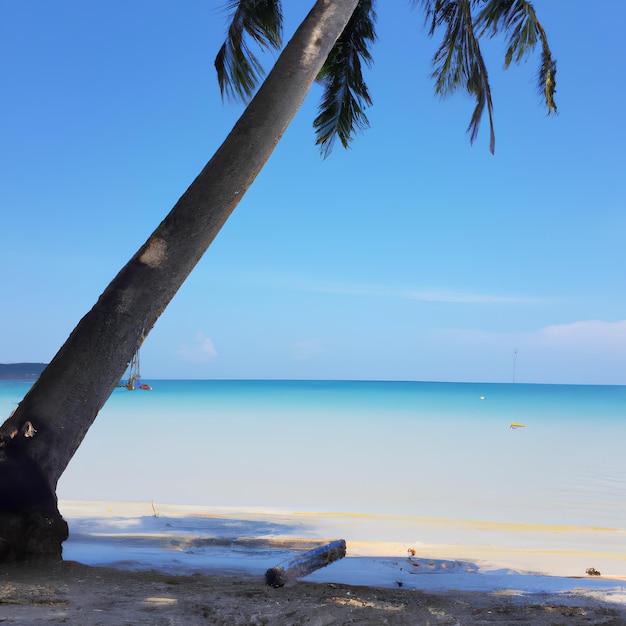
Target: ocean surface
{"points": [[437, 450]]}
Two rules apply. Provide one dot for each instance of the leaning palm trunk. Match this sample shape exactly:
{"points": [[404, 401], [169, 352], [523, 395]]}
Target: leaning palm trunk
{"points": [[43, 434]]}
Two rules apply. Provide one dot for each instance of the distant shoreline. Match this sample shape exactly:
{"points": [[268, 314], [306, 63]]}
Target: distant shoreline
{"points": [[21, 371]]}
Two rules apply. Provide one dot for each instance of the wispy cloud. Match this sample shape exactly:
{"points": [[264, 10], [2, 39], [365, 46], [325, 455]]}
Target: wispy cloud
{"points": [[201, 350], [427, 295], [585, 336], [592, 334], [582, 352], [372, 290], [286, 281]]}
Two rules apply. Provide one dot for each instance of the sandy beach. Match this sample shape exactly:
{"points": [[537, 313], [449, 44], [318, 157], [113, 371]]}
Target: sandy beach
{"points": [[147, 563], [72, 593]]}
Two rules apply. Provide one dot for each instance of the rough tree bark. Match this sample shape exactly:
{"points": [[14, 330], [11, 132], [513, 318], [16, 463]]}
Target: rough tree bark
{"points": [[44, 432]]}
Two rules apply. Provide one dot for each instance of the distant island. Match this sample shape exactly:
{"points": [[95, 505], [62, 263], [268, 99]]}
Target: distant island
{"points": [[21, 371]]}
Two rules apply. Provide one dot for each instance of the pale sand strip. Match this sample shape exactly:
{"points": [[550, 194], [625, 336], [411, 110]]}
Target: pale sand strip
{"points": [[449, 554]]}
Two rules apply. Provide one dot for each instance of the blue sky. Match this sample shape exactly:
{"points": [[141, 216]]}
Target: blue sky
{"points": [[411, 256]]}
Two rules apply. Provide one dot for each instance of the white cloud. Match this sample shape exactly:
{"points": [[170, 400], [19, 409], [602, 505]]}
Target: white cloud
{"points": [[593, 335], [201, 350], [585, 335], [464, 297], [582, 352], [434, 295], [302, 283]]}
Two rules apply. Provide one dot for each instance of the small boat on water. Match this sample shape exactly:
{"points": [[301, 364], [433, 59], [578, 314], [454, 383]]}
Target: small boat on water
{"points": [[134, 376]]}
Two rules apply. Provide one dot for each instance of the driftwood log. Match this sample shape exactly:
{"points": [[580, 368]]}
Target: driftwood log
{"points": [[279, 576]]}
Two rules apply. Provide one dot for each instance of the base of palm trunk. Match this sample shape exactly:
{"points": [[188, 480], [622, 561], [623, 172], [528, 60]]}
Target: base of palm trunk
{"points": [[31, 526], [31, 536]]}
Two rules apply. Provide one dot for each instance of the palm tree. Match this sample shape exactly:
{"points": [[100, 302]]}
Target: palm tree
{"points": [[331, 45]]}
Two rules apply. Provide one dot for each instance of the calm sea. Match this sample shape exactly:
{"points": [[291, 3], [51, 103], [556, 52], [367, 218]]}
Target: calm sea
{"points": [[397, 448]]}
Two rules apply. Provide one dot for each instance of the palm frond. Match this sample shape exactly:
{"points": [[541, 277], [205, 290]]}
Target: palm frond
{"points": [[437, 12], [458, 62], [238, 69], [517, 18], [345, 97]]}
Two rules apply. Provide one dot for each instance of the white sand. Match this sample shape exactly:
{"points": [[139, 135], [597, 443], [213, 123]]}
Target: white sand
{"points": [[449, 554]]}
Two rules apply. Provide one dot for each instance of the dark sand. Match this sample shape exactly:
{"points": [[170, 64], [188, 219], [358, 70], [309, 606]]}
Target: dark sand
{"points": [[71, 593]]}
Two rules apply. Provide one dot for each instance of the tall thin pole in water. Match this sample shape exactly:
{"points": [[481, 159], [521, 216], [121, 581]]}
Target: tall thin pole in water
{"points": [[514, 363]]}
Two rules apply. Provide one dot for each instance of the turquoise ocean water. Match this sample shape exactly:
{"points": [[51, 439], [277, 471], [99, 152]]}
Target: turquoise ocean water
{"points": [[391, 448]]}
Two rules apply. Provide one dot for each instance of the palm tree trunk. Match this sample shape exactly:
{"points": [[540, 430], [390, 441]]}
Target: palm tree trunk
{"points": [[65, 400]]}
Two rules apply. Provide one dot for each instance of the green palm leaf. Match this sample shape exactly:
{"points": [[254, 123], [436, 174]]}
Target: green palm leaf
{"points": [[345, 97], [519, 20], [238, 69], [458, 62]]}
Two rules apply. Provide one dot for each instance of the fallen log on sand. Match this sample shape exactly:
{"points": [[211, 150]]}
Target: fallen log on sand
{"points": [[279, 576]]}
